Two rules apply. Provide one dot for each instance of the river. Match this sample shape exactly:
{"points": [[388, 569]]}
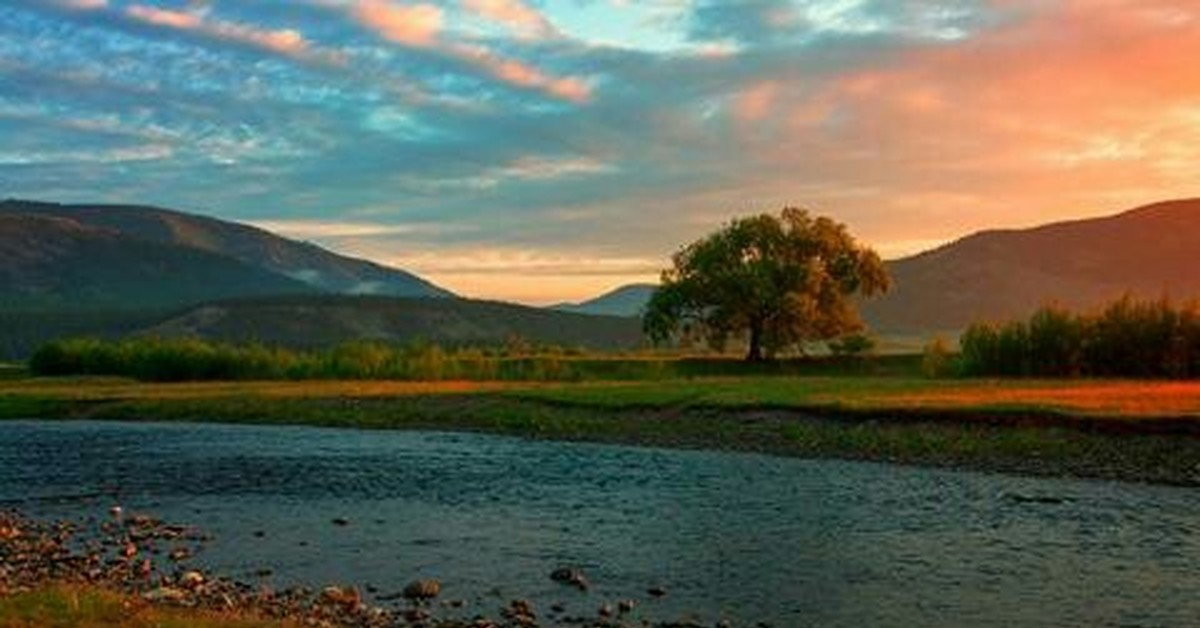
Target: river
{"points": [[739, 536]]}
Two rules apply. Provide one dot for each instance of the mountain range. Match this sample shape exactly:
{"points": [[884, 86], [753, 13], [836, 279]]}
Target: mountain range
{"points": [[105, 254], [627, 300], [311, 322], [111, 270], [1147, 252]]}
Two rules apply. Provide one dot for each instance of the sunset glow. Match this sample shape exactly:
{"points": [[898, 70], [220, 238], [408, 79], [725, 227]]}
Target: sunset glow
{"points": [[548, 151]]}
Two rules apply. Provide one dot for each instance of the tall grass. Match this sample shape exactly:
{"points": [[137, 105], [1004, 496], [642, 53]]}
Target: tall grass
{"points": [[1128, 338], [155, 359]]}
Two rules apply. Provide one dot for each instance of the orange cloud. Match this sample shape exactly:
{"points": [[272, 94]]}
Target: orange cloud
{"points": [[284, 41], [84, 5], [1062, 109], [417, 25], [421, 26], [521, 74], [755, 103], [181, 20], [516, 15]]}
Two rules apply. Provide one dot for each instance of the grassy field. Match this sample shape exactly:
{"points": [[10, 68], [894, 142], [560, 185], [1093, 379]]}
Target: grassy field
{"points": [[75, 606], [1090, 399], [1144, 431]]}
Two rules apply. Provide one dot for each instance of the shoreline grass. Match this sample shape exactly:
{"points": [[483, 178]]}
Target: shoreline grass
{"points": [[1125, 430], [90, 606]]}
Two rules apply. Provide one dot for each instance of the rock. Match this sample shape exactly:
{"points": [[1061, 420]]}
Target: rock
{"points": [[606, 610], [656, 591], [191, 580], [141, 521], [419, 590], [145, 568], [115, 512], [340, 521], [625, 606], [570, 576], [345, 597], [415, 615], [520, 611], [129, 551], [164, 594]]}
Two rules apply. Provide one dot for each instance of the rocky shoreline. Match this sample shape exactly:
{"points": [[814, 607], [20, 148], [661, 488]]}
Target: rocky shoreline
{"points": [[138, 555]]}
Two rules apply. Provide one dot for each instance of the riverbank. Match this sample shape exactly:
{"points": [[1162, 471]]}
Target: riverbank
{"points": [[134, 571], [1123, 430]]}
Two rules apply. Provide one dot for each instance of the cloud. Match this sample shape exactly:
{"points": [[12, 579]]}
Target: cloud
{"points": [[515, 15], [310, 229], [288, 42], [83, 5], [417, 25], [421, 26], [912, 121], [521, 74]]}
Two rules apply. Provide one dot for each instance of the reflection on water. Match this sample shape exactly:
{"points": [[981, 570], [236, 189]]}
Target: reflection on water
{"points": [[747, 537]]}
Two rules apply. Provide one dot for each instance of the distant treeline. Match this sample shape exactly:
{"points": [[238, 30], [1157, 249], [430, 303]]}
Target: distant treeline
{"points": [[155, 359], [1129, 338], [22, 331]]}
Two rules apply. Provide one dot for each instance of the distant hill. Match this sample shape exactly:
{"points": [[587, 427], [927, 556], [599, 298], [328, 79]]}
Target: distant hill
{"points": [[629, 300], [326, 320], [299, 261], [994, 275], [55, 262]]}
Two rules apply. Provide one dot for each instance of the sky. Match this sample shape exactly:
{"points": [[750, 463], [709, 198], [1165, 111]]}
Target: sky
{"points": [[542, 151]]}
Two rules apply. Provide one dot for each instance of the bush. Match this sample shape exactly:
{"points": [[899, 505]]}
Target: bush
{"points": [[936, 359], [1128, 338]]}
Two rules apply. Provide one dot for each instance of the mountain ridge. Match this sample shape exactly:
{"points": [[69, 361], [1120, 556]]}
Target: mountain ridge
{"points": [[996, 274], [627, 300], [305, 262]]}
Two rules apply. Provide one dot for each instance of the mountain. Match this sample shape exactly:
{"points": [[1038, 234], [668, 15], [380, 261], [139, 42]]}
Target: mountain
{"points": [[299, 261], [996, 275], [1000, 274], [328, 320], [56, 262], [627, 300]]}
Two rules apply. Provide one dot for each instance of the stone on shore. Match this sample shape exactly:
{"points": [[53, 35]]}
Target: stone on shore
{"points": [[421, 590]]}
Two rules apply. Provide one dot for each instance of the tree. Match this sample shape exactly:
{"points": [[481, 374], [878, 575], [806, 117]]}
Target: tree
{"points": [[778, 281]]}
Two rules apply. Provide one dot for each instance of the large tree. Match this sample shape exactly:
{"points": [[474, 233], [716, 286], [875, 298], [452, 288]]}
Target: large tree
{"points": [[776, 281]]}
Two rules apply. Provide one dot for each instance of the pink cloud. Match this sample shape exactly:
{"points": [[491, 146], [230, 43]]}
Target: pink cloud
{"points": [[515, 15], [421, 26], [181, 20], [417, 25], [521, 74], [1076, 105], [84, 5], [756, 102], [283, 41]]}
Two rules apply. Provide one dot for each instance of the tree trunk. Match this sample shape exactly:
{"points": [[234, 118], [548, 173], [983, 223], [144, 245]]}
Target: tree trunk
{"points": [[755, 353]]}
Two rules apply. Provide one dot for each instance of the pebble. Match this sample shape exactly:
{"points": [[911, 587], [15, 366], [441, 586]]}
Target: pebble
{"points": [[421, 590], [33, 553], [570, 576]]}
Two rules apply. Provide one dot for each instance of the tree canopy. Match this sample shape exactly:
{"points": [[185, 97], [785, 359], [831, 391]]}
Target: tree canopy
{"points": [[776, 281]]}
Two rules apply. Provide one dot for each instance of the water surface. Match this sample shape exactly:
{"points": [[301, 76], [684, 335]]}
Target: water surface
{"points": [[745, 537]]}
